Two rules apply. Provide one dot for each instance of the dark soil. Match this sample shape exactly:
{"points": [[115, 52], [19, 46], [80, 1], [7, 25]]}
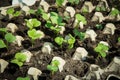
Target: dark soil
{"points": [[40, 60]]}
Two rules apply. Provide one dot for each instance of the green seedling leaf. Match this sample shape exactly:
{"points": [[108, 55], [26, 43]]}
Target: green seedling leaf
{"points": [[55, 18], [3, 30], [114, 12], [17, 13], [10, 11], [15, 61], [101, 49], [85, 10], [59, 40], [32, 11], [81, 18], [81, 35], [52, 68], [23, 78], [48, 24], [74, 1], [2, 44], [33, 34], [99, 26], [59, 2], [119, 39], [40, 11], [70, 40], [45, 16], [10, 37], [31, 23], [20, 57]]}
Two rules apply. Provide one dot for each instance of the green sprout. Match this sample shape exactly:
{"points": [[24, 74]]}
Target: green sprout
{"points": [[33, 34], [99, 26], [74, 1], [19, 59], [114, 12], [13, 13], [80, 18], [119, 39], [59, 2], [53, 67], [85, 10], [70, 40], [10, 37], [100, 8], [2, 44], [59, 40], [81, 35], [32, 11], [23, 78], [31, 23], [56, 19], [101, 49], [44, 15]]}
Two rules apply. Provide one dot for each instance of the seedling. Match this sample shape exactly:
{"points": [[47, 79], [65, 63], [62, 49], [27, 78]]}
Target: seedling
{"points": [[53, 67], [31, 23], [44, 15], [114, 12], [80, 18], [3, 31], [59, 2], [19, 59], [31, 11], [33, 34], [85, 10], [59, 40], [70, 40], [74, 1], [81, 35], [99, 26], [119, 39], [23, 78], [2, 44], [55, 22], [56, 19], [9, 37], [101, 49], [13, 13], [100, 8]]}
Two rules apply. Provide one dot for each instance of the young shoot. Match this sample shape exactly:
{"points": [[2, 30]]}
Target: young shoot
{"points": [[13, 13], [33, 34], [59, 2], [70, 40], [55, 29], [119, 39], [59, 40], [23, 78], [2, 44], [19, 59], [9, 37], [31, 23], [81, 35], [100, 8], [99, 26], [53, 67], [114, 12], [74, 1], [101, 49], [79, 19], [56, 19]]}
